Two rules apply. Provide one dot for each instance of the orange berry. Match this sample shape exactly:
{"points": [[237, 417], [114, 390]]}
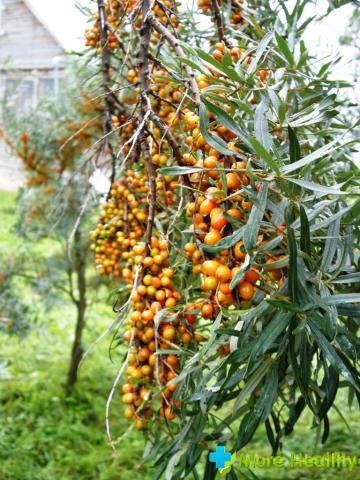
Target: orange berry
{"points": [[156, 282], [218, 221], [128, 398], [170, 302], [168, 272], [238, 251], [190, 318], [129, 412], [206, 206], [127, 336], [274, 273], [207, 310], [169, 333], [147, 316], [127, 388], [143, 354], [233, 181], [149, 333], [186, 338], [246, 290], [223, 273], [225, 299], [169, 415], [216, 211], [139, 424], [147, 280], [234, 212], [166, 282], [155, 307], [212, 238], [225, 288], [160, 295], [172, 360], [209, 267], [190, 247], [251, 276], [141, 290], [152, 360], [210, 283], [146, 370]]}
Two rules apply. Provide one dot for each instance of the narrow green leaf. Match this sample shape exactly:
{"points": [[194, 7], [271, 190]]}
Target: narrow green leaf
{"points": [[251, 229], [264, 154], [294, 146], [342, 298], [305, 240], [321, 152], [226, 120], [251, 384], [261, 410], [315, 187], [213, 140], [330, 244], [261, 127], [329, 220], [240, 273], [349, 278], [268, 336], [283, 46], [332, 356], [259, 51], [292, 247], [283, 305], [178, 170], [226, 242], [305, 367], [228, 71]]}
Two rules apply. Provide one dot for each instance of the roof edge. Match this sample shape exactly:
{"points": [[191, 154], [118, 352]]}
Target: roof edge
{"points": [[44, 23]]}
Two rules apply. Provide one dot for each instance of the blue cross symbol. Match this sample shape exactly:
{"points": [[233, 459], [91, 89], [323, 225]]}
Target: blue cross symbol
{"points": [[220, 456]]}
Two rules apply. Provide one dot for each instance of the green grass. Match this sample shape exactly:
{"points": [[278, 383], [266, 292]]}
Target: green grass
{"points": [[45, 435]]}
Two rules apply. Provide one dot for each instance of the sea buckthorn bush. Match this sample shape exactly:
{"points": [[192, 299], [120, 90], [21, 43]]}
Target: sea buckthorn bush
{"points": [[228, 225]]}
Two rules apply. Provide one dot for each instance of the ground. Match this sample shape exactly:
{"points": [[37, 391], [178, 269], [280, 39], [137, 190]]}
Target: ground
{"points": [[46, 436]]}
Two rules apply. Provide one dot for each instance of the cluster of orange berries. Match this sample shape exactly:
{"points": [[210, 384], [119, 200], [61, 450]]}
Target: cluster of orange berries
{"points": [[115, 10], [170, 96], [32, 162], [236, 16], [148, 369], [122, 223], [235, 52], [167, 96], [220, 205]]}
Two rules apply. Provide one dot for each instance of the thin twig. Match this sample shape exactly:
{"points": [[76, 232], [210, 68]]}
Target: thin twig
{"points": [[174, 42]]}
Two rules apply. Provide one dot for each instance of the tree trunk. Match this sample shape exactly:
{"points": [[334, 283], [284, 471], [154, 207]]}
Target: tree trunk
{"points": [[77, 349]]}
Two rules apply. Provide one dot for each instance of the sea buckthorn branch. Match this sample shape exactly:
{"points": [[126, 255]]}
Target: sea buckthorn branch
{"points": [[144, 74], [174, 42], [111, 101], [217, 17], [175, 148]]}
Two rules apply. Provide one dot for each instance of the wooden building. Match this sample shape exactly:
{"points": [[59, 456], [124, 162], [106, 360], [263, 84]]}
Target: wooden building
{"points": [[31, 64], [30, 54]]}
